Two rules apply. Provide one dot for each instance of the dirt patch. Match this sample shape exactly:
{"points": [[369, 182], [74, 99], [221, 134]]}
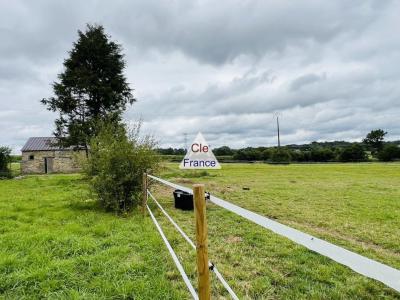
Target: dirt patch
{"points": [[184, 181], [234, 239]]}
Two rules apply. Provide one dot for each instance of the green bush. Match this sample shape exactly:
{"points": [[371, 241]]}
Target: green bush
{"points": [[389, 152], [16, 158], [5, 159], [266, 154], [118, 158], [353, 153], [249, 153], [280, 155], [321, 154], [223, 151]]}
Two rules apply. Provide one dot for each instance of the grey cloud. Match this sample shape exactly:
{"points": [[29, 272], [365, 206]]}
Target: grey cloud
{"points": [[188, 102], [220, 33], [237, 86], [16, 71], [303, 80], [251, 94], [207, 32], [223, 68]]}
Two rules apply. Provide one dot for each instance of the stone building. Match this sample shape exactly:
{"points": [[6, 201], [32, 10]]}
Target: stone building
{"points": [[42, 155]]}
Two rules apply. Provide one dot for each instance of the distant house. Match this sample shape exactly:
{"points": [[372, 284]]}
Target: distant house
{"points": [[42, 155]]}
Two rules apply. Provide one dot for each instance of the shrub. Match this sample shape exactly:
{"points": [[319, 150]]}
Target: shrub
{"points": [[249, 154], [280, 155], [16, 158], [5, 159], [389, 152], [224, 150], [353, 153], [321, 154], [118, 158], [266, 154]]}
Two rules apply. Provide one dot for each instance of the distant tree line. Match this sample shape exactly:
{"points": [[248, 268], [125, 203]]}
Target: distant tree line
{"points": [[171, 151], [373, 147]]}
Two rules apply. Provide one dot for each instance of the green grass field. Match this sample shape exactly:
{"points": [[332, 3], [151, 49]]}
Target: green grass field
{"points": [[356, 206], [56, 243]]}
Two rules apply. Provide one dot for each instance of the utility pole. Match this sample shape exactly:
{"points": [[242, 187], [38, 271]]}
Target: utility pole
{"points": [[277, 114], [186, 148]]}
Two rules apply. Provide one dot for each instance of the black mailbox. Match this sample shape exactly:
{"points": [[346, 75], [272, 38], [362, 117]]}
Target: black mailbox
{"points": [[183, 200]]}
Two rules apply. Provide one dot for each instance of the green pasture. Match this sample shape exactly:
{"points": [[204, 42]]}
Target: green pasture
{"points": [[56, 243], [356, 206]]}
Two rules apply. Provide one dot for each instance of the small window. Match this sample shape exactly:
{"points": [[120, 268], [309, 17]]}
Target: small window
{"points": [[31, 157]]}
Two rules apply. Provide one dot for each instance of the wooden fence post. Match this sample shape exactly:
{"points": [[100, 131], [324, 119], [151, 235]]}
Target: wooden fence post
{"points": [[144, 200], [201, 242]]}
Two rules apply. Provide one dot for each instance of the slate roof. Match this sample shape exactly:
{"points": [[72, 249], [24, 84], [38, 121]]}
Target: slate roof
{"points": [[41, 144]]}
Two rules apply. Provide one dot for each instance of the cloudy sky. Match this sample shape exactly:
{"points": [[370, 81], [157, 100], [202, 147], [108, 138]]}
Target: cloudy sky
{"points": [[330, 68]]}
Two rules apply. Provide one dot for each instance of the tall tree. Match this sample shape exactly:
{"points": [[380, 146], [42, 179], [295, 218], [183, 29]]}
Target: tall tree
{"points": [[91, 87], [374, 139], [5, 158]]}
